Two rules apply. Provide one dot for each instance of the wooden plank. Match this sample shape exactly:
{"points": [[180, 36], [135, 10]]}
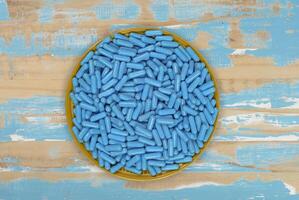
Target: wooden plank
{"points": [[252, 48]]}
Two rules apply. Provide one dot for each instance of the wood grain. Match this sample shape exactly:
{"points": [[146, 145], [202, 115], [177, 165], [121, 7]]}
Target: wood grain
{"points": [[252, 47]]}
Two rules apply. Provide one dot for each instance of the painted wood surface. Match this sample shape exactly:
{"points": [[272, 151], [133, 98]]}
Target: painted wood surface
{"points": [[253, 47]]}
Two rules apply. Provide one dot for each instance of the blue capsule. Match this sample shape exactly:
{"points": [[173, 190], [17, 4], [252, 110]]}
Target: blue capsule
{"points": [[107, 158], [118, 132], [157, 55], [192, 54], [105, 53], [109, 84], [120, 36], [147, 48], [133, 160], [193, 76], [98, 116], [104, 41], [165, 120], [208, 133], [106, 93], [209, 91], [109, 47], [87, 57], [88, 107], [161, 96], [143, 132], [146, 141], [170, 167], [117, 112], [137, 111], [152, 82], [141, 57], [113, 147], [117, 137], [84, 85], [184, 71], [127, 51], [148, 40], [189, 110], [157, 163], [183, 50], [192, 123], [182, 135], [152, 65], [163, 50], [136, 35], [133, 170], [137, 42], [104, 61], [121, 42], [153, 33], [122, 58], [154, 155], [167, 111], [180, 55], [107, 77], [184, 160], [202, 133], [116, 167], [136, 151], [184, 90], [164, 38], [134, 144], [165, 43]]}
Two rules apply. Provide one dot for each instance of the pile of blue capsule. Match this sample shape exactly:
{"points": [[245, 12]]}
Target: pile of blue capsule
{"points": [[143, 102]]}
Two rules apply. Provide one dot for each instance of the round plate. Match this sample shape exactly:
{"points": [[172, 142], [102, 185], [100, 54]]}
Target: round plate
{"points": [[122, 173]]}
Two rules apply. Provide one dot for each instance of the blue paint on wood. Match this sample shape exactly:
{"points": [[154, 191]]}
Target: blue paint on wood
{"points": [[34, 105], [283, 121], [109, 10], [160, 10], [265, 155], [275, 95], [38, 128], [257, 157], [46, 14], [32, 131], [37, 189], [4, 14], [188, 10], [212, 161], [61, 43], [221, 167], [283, 32], [233, 135], [8, 159], [280, 119]]}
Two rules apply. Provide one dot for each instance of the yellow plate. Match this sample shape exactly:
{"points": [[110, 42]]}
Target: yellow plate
{"points": [[122, 173]]}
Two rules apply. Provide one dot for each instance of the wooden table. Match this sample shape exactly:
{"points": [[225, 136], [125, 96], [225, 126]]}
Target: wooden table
{"points": [[253, 47]]}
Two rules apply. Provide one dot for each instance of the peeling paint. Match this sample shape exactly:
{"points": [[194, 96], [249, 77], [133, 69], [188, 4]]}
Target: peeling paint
{"points": [[46, 14], [4, 13], [110, 190], [254, 153], [268, 96], [280, 45], [107, 10]]}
